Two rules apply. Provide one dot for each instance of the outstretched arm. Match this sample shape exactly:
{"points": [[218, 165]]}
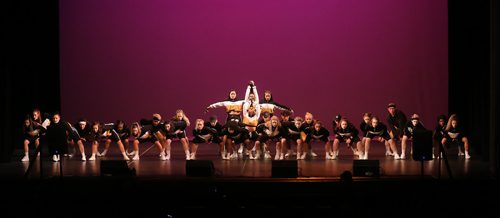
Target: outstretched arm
{"points": [[216, 105], [282, 107]]}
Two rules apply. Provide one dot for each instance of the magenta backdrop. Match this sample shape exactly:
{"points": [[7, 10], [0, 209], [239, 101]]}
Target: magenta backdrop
{"points": [[127, 59]]}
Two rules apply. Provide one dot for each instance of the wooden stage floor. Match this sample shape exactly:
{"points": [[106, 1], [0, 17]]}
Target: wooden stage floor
{"points": [[246, 188], [151, 166]]}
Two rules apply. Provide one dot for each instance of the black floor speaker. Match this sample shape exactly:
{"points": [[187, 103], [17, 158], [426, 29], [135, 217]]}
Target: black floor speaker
{"points": [[284, 169], [115, 168], [199, 168], [370, 168], [422, 145]]}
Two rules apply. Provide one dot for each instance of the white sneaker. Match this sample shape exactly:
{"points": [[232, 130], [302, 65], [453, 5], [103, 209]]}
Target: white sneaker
{"points": [[54, 158], [193, 156], [25, 158], [240, 150], [334, 157], [360, 155], [282, 157], [460, 153], [234, 156], [402, 157], [327, 156], [313, 154], [303, 156], [396, 156], [84, 158], [136, 157], [277, 156], [125, 157], [288, 153], [188, 157], [162, 156], [354, 151], [389, 153], [365, 156], [92, 157], [267, 155], [167, 156], [99, 154], [467, 156]]}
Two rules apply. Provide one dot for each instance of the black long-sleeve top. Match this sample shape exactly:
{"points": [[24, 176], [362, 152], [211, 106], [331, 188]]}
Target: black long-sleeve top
{"points": [[396, 122], [124, 133], [439, 132], [349, 132], [378, 130], [205, 133], [363, 126], [410, 128], [318, 134], [218, 127]]}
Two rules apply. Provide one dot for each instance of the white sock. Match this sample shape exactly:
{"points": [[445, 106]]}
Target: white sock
{"points": [[26, 153]]}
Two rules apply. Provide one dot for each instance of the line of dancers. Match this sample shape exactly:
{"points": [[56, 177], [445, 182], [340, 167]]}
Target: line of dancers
{"points": [[251, 128]]}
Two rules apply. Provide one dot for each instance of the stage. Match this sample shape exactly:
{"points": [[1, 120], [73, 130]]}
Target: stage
{"points": [[151, 166], [246, 187]]}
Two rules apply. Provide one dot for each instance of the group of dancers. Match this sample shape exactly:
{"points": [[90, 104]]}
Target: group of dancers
{"points": [[250, 129]]}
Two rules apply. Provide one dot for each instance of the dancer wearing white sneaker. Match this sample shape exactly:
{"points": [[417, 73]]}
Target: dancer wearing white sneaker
{"points": [[293, 133], [31, 135], [286, 121], [345, 132], [455, 135], [251, 115], [234, 135], [376, 131], [95, 139], [82, 131], [308, 124], [124, 132], [135, 135], [202, 134], [180, 122], [214, 124], [319, 133], [57, 137], [271, 132], [110, 135], [411, 126], [396, 122], [439, 134]]}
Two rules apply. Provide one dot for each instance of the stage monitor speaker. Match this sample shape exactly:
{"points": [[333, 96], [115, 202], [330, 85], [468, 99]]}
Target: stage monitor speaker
{"points": [[370, 168], [199, 168], [284, 169], [115, 168], [422, 145]]}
